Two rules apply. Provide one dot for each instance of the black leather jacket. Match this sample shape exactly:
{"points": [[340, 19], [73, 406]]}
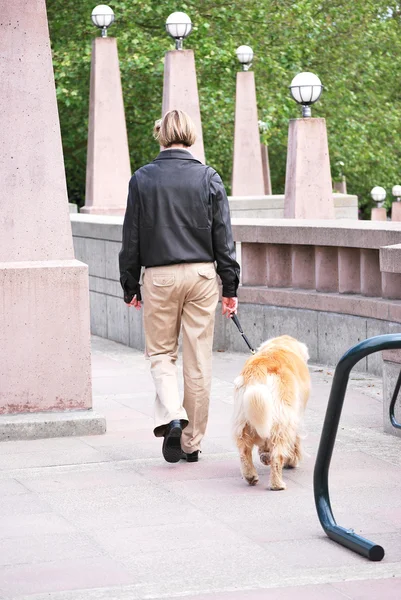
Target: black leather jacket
{"points": [[177, 212]]}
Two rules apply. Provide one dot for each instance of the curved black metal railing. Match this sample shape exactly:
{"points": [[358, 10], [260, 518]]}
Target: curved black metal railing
{"points": [[393, 420], [345, 537]]}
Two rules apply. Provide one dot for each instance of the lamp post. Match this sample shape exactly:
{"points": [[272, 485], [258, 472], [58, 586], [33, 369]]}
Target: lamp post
{"points": [[306, 89], [396, 206], [308, 184], [245, 57], [247, 174], [102, 17], [178, 26], [378, 194]]}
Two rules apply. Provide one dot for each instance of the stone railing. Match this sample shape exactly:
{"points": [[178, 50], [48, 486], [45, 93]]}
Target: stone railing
{"points": [[390, 262], [322, 265], [272, 207], [329, 283]]}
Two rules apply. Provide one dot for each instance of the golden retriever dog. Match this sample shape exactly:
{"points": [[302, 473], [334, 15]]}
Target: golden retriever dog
{"points": [[270, 397]]}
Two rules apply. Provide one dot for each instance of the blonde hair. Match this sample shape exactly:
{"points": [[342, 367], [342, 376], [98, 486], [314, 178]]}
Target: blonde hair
{"points": [[176, 127]]}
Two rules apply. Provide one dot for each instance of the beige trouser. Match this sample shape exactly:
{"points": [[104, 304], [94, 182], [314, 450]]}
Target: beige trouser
{"points": [[176, 296]]}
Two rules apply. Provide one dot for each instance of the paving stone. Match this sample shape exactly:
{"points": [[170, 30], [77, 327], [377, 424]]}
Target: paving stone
{"points": [[34, 524], [25, 460], [307, 592], [78, 480], [62, 575], [46, 548], [389, 589]]}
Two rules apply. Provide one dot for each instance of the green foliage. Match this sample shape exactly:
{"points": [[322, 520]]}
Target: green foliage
{"points": [[355, 48]]}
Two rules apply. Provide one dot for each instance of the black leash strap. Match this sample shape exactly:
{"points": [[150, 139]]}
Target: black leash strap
{"points": [[238, 325]]}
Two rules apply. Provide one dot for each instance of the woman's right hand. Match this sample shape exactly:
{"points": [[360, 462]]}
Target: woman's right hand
{"points": [[229, 306], [135, 302]]}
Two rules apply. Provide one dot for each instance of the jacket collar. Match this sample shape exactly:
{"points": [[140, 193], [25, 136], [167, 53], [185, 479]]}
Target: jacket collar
{"points": [[176, 153]]}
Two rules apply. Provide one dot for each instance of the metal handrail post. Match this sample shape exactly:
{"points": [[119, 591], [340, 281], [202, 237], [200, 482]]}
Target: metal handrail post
{"points": [[345, 537], [393, 420]]}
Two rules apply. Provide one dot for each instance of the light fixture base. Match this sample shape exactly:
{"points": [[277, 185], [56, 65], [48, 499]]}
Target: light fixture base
{"points": [[306, 111], [103, 32], [179, 44]]}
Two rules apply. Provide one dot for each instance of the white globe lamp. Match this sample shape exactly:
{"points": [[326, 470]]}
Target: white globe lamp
{"points": [[245, 56], [378, 194], [306, 89], [178, 26], [396, 191], [102, 16]]}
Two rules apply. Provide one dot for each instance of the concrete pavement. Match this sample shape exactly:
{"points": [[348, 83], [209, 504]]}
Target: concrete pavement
{"points": [[105, 517]]}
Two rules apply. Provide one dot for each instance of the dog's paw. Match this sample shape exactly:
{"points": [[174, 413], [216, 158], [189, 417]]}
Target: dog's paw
{"points": [[277, 487], [253, 480], [265, 458]]}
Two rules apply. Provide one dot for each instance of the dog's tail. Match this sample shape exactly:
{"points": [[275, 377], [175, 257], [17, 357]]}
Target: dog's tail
{"points": [[258, 400]]}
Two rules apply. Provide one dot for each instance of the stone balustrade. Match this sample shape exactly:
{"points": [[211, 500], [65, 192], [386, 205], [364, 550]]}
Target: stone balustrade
{"points": [[328, 283], [332, 266], [390, 264], [272, 206]]}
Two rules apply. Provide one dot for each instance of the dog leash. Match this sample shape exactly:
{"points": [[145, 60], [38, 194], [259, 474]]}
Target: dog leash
{"points": [[238, 325]]}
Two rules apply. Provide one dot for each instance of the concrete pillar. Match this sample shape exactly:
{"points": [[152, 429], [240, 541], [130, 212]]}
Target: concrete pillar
{"points": [[371, 283], [340, 186], [379, 214], [349, 271], [266, 170], [44, 302], [391, 286], [308, 185], [180, 92], [247, 177], [303, 267], [254, 264], [396, 211], [326, 268], [279, 265], [108, 169]]}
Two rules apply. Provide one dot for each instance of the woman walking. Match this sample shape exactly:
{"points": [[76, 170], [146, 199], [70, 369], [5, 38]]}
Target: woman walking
{"points": [[177, 225]]}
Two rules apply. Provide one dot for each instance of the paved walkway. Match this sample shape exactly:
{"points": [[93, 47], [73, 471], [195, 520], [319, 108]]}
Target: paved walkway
{"points": [[104, 518]]}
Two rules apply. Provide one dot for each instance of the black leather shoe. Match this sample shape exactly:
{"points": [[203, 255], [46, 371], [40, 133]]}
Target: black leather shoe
{"points": [[190, 456], [172, 442]]}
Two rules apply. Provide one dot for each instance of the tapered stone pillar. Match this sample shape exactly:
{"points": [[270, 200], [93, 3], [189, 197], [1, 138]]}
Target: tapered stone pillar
{"points": [[379, 214], [180, 92], [108, 169], [247, 177], [396, 211], [44, 301], [340, 186], [266, 170], [308, 185]]}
